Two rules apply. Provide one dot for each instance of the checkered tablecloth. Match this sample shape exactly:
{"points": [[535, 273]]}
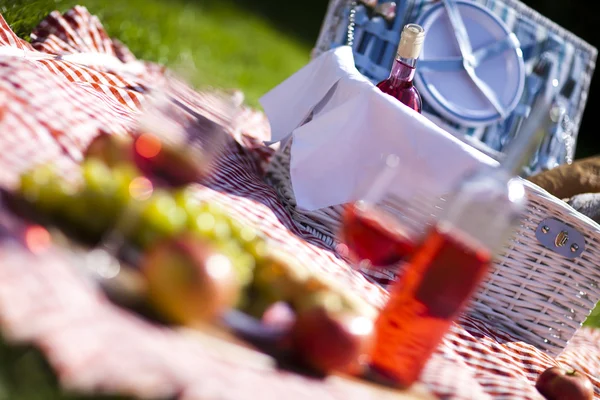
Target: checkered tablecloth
{"points": [[51, 106]]}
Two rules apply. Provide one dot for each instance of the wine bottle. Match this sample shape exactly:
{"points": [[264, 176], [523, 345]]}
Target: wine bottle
{"points": [[400, 82]]}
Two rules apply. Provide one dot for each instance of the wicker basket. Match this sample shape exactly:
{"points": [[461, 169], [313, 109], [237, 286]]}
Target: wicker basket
{"points": [[534, 292], [538, 290], [537, 36]]}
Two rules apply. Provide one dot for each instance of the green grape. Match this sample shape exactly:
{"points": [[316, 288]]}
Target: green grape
{"points": [[202, 223], [216, 210], [160, 218], [29, 186], [123, 175], [244, 265], [76, 210], [81, 215], [127, 205], [54, 196], [230, 248], [249, 238], [247, 235], [162, 210], [242, 261], [100, 195], [258, 248], [44, 188], [242, 232], [221, 230], [186, 199], [210, 226], [98, 177], [327, 299], [194, 207]]}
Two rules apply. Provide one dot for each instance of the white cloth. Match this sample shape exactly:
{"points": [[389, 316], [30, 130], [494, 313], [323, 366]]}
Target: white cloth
{"points": [[337, 155]]}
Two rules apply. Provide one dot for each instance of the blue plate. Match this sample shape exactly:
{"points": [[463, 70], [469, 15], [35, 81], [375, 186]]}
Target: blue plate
{"points": [[447, 87]]}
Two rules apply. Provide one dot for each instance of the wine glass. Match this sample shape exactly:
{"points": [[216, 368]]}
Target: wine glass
{"points": [[371, 235], [175, 144]]}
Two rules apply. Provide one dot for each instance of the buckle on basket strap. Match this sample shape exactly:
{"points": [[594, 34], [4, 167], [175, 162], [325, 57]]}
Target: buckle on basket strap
{"points": [[560, 237]]}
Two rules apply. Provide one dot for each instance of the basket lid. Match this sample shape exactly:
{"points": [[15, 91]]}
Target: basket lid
{"points": [[444, 83]]}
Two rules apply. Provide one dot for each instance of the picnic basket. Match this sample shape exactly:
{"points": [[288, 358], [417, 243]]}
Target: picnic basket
{"points": [[545, 283]]}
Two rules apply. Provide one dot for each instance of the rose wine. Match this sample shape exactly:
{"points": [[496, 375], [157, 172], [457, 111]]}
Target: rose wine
{"points": [[372, 235], [400, 82], [169, 164], [439, 280]]}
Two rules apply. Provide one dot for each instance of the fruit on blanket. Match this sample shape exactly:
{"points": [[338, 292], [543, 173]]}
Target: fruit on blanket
{"points": [[188, 281], [173, 165], [328, 341], [160, 218], [90, 203], [92, 208], [43, 187], [112, 150], [327, 299], [280, 278], [279, 315], [263, 276], [130, 185], [243, 262], [557, 383]]}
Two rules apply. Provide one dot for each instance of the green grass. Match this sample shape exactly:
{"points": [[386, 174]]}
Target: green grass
{"points": [[25, 375], [225, 45]]}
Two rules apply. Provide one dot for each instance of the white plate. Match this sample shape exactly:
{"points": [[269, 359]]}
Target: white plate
{"points": [[452, 93]]}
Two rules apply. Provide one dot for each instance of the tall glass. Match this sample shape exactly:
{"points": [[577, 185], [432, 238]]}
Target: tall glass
{"points": [[372, 235]]}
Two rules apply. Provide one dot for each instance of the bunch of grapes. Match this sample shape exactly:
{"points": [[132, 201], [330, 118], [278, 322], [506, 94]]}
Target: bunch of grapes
{"points": [[89, 205], [114, 195], [198, 261]]}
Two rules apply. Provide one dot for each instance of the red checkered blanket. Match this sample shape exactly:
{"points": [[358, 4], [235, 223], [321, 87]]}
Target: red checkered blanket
{"points": [[60, 91]]}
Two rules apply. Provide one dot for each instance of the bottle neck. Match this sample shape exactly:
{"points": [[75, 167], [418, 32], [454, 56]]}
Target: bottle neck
{"points": [[520, 152], [527, 141], [403, 70]]}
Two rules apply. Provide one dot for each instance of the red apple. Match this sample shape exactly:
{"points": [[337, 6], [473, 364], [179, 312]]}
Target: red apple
{"points": [[329, 342], [188, 281], [557, 383]]}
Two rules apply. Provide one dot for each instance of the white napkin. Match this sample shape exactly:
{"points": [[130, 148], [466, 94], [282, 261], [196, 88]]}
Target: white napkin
{"points": [[336, 156]]}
